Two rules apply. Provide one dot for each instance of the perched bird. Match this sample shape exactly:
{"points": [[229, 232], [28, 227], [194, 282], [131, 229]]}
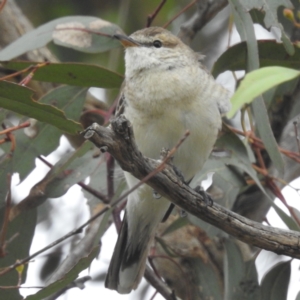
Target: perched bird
{"points": [[166, 92]]}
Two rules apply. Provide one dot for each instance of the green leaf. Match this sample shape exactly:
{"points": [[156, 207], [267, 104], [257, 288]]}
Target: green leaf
{"points": [[46, 139], [177, 224], [82, 264], [20, 231], [3, 114], [270, 54], [82, 37], [70, 169], [6, 167], [270, 7], [245, 28], [84, 75], [237, 155], [207, 279], [229, 181], [241, 280], [19, 99], [266, 134], [274, 285], [257, 82]]}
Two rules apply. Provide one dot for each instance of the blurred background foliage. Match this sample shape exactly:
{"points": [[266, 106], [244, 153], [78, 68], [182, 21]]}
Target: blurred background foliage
{"points": [[245, 197]]}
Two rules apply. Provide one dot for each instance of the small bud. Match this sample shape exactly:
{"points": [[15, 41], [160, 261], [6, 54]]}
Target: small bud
{"points": [[20, 269], [297, 44], [289, 14]]}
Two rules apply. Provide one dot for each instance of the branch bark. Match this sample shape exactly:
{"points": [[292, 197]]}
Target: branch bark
{"points": [[118, 140]]}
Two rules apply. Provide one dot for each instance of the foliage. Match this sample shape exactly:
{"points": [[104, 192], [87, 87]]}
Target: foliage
{"points": [[245, 167]]}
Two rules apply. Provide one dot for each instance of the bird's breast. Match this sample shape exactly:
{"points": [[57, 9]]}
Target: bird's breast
{"points": [[156, 131]]}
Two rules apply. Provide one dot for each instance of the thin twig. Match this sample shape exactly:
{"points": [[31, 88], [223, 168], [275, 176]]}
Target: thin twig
{"points": [[110, 165], [159, 285], [28, 77], [3, 242], [258, 143], [31, 69], [159, 168], [295, 123], [87, 188], [10, 129], [2, 4], [119, 141], [10, 138], [152, 16], [276, 191], [180, 13], [178, 266]]}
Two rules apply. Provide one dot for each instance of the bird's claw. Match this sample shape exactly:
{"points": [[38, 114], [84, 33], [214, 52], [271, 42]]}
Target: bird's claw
{"points": [[207, 199]]}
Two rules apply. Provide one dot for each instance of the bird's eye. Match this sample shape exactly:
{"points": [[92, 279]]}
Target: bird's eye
{"points": [[157, 44]]}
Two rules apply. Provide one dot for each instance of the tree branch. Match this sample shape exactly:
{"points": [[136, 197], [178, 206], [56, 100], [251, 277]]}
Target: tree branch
{"points": [[119, 142], [206, 10]]}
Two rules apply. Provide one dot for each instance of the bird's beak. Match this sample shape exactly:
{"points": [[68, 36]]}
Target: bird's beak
{"points": [[126, 41]]}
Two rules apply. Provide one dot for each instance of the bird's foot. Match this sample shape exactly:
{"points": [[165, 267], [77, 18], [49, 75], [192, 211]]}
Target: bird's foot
{"points": [[156, 195], [207, 199], [183, 213], [179, 174]]}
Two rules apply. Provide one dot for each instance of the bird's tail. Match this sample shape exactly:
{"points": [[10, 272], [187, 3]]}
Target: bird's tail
{"points": [[128, 262]]}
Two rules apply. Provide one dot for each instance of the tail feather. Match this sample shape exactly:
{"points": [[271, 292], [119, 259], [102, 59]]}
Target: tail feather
{"points": [[127, 264], [112, 277]]}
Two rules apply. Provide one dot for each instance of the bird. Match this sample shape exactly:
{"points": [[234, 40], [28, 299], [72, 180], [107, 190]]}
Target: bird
{"points": [[167, 91]]}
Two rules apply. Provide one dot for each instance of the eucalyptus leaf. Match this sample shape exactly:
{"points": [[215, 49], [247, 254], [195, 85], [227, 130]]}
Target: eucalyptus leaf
{"points": [[241, 281], [79, 74], [46, 138], [82, 264], [245, 28], [177, 224], [20, 232], [210, 287], [270, 53], [78, 32], [19, 100], [257, 82], [275, 283], [270, 7], [69, 170]]}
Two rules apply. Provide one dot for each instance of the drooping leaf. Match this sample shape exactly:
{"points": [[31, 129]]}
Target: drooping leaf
{"points": [[177, 224], [270, 53], [77, 32], [46, 138], [257, 82], [70, 169], [208, 280], [85, 75], [245, 28], [6, 167], [20, 231], [82, 264], [19, 100], [3, 114], [229, 181], [274, 285], [270, 7], [241, 280]]}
